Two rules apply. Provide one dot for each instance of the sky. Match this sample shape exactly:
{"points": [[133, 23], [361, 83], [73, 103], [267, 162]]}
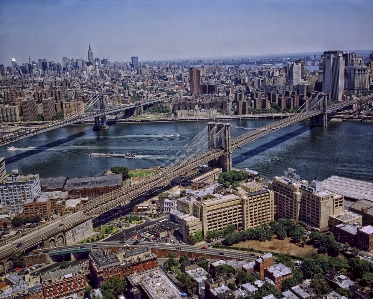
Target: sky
{"points": [[180, 29]]}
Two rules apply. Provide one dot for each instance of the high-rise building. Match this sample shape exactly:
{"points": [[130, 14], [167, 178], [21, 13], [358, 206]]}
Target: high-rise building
{"points": [[294, 72], [135, 62], [14, 62], [333, 74], [257, 205], [306, 204], [194, 80], [29, 109], [357, 75], [90, 56]]}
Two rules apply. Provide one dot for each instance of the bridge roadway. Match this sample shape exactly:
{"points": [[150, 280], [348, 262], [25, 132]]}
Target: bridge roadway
{"points": [[76, 119], [163, 177], [224, 253]]}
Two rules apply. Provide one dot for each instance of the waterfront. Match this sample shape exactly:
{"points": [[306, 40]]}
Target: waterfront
{"points": [[344, 149]]}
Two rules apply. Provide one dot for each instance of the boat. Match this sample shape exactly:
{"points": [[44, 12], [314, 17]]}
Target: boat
{"points": [[177, 135], [113, 155], [11, 148]]}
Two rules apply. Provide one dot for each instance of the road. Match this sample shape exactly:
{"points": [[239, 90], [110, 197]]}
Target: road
{"points": [[174, 247]]}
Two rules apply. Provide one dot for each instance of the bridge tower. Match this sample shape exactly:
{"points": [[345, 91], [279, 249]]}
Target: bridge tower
{"points": [[219, 137], [320, 120], [100, 121]]}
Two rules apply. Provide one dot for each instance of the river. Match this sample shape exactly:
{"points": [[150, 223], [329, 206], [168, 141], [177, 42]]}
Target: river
{"points": [[343, 148]]}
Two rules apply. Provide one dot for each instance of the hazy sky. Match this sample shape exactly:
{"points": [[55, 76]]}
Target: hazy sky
{"points": [[169, 29]]}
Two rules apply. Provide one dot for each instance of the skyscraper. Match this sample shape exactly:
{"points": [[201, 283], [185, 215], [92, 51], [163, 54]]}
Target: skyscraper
{"points": [[14, 62], [194, 80], [135, 62], [294, 71], [333, 74], [90, 56]]}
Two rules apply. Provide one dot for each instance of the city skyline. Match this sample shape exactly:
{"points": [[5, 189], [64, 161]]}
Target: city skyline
{"points": [[161, 30]]}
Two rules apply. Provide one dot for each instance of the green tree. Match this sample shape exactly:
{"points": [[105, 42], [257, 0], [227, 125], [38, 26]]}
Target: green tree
{"points": [[224, 270], [171, 262], [281, 233], [121, 170], [17, 221], [243, 277], [286, 260], [187, 282], [64, 265], [345, 292], [266, 290], [113, 287], [183, 259], [204, 264], [191, 240], [198, 236], [320, 284]]}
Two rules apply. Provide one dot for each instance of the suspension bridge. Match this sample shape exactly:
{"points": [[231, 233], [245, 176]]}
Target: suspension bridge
{"points": [[94, 109], [213, 146]]}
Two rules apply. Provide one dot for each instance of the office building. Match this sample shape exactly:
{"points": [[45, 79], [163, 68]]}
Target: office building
{"points": [[309, 205], [293, 73], [15, 189], [194, 80], [90, 56], [14, 62], [188, 225], [135, 62], [287, 195], [257, 205], [218, 212], [333, 74]]}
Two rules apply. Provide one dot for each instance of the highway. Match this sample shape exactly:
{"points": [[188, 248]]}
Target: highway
{"points": [[234, 254]]}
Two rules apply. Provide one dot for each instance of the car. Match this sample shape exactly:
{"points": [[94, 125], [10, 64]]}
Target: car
{"points": [[221, 253], [94, 245], [136, 242], [178, 248], [121, 241], [19, 244]]}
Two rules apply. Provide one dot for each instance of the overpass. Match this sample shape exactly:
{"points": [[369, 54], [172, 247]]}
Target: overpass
{"points": [[77, 119], [219, 153]]}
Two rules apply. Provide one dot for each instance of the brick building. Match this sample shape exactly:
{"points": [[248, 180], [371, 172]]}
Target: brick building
{"points": [[93, 186], [104, 264], [65, 282], [278, 273], [38, 207], [364, 238]]}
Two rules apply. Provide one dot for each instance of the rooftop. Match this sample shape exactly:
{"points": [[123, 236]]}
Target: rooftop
{"points": [[103, 259], [350, 188], [61, 273], [367, 229], [94, 182], [53, 183], [155, 284], [351, 229]]}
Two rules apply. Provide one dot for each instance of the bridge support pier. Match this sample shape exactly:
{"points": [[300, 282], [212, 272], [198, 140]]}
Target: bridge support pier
{"points": [[320, 120], [219, 137]]}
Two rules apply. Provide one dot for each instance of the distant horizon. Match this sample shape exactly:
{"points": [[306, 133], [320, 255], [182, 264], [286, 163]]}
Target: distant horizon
{"points": [[180, 30], [277, 55]]}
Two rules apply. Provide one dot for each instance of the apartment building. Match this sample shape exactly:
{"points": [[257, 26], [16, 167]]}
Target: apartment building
{"points": [[364, 240], [2, 169], [218, 212], [257, 205], [29, 109], [41, 206], [104, 264], [65, 282], [49, 108], [73, 108], [9, 113], [15, 189]]}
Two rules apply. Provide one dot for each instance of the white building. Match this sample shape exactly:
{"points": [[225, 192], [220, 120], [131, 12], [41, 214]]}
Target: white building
{"points": [[15, 189]]}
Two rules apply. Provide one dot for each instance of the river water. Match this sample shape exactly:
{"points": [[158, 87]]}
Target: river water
{"points": [[343, 148]]}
